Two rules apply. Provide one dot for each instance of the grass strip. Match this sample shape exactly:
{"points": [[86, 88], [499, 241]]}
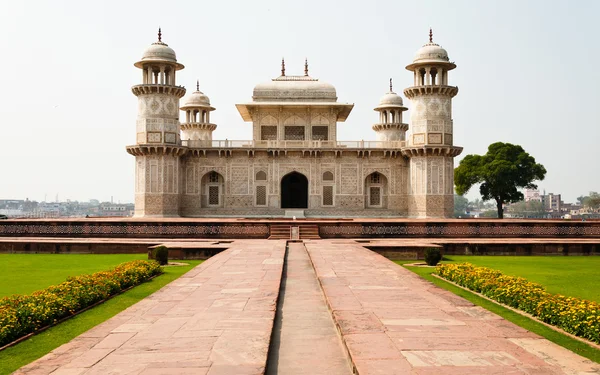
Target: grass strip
{"points": [[39, 345], [558, 338]]}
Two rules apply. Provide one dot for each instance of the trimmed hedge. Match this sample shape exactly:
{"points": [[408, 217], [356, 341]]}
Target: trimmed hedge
{"points": [[574, 315], [433, 255], [161, 255], [21, 315]]}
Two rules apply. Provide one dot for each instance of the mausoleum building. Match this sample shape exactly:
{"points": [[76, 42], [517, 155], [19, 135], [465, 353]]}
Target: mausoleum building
{"points": [[294, 162]]}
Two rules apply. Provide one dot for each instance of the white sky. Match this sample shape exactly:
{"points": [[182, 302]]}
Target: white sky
{"points": [[527, 73]]}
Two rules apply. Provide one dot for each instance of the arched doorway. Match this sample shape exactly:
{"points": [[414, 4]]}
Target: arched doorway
{"points": [[294, 191]]}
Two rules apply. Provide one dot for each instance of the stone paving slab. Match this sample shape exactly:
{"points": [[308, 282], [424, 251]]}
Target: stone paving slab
{"points": [[215, 319], [394, 322]]}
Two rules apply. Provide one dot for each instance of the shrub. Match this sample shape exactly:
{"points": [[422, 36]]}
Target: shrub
{"points": [[577, 316], [21, 315], [433, 255], [161, 255]]}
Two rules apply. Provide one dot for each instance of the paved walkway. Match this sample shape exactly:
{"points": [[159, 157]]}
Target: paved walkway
{"points": [[305, 339], [218, 319], [394, 322]]}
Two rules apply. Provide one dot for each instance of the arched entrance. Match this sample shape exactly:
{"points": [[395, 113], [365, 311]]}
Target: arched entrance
{"points": [[294, 191]]}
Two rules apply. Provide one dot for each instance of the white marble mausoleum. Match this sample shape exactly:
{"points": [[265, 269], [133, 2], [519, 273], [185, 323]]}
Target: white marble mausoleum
{"points": [[294, 162]]}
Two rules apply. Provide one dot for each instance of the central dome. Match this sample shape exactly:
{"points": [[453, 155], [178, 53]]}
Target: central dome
{"points": [[294, 88]]}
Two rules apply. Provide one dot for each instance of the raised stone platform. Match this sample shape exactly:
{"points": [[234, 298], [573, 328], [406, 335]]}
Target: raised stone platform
{"points": [[219, 319], [402, 238]]}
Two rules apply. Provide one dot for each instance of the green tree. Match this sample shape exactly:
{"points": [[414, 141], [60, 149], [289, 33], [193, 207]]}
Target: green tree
{"points": [[591, 201], [460, 205], [501, 172]]}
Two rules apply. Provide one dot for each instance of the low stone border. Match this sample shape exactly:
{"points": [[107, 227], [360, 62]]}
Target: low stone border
{"points": [[522, 313], [421, 265]]}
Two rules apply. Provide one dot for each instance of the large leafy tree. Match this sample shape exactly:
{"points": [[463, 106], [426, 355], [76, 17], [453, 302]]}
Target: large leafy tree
{"points": [[501, 172]]}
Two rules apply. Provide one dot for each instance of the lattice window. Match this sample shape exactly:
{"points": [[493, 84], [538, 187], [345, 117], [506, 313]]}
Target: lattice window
{"points": [[213, 177], [375, 178], [294, 133], [328, 195], [327, 176], [261, 176], [375, 196], [213, 195], [261, 195], [268, 133], [320, 133]]}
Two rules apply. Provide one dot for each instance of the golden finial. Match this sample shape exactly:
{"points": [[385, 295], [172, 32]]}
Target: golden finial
{"points": [[306, 67], [391, 85], [197, 85], [430, 35], [159, 35], [282, 66]]}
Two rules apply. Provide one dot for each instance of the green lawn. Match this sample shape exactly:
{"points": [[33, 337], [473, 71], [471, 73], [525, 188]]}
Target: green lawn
{"points": [[37, 346], [575, 276], [26, 273], [564, 269]]}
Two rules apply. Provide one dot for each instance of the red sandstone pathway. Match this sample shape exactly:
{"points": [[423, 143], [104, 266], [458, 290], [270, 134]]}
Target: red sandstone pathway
{"points": [[216, 319], [306, 340], [393, 322]]}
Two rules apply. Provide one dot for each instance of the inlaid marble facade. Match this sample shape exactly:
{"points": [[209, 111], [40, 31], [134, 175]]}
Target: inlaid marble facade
{"points": [[294, 160]]}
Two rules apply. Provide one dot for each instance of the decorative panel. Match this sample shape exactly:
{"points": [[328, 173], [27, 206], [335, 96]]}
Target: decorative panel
{"points": [[435, 138], [154, 137], [170, 138], [213, 195], [239, 180], [349, 180], [261, 195], [268, 133], [328, 195], [375, 196], [418, 139], [320, 133], [294, 133]]}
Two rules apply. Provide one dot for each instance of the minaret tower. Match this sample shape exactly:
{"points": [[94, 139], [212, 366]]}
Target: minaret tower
{"points": [[390, 127], [158, 144], [430, 144], [197, 129]]}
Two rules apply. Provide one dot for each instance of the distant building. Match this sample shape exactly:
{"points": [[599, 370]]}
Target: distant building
{"points": [[552, 202], [532, 195], [115, 209]]}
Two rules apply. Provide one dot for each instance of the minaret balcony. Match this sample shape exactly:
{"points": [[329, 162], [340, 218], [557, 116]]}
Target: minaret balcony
{"points": [[414, 91], [390, 126], [146, 89], [158, 149], [198, 126], [413, 151]]}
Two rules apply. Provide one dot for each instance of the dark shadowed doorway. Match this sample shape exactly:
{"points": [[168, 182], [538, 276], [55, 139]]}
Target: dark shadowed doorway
{"points": [[294, 191]]}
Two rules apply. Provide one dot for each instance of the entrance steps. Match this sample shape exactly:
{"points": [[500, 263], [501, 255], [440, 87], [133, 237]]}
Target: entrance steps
{"points": [[309, 232], [284, 231]]}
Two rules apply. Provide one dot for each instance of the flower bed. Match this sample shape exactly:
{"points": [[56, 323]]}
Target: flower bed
{"points": [[577, 316], [21, 315]]}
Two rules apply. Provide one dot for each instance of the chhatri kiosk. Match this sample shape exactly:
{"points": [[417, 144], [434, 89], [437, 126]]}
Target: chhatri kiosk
{"points": [[294, 162]]}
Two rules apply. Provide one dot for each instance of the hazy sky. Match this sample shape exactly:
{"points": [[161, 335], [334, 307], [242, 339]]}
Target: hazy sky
{"points": [[527, 73]]}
